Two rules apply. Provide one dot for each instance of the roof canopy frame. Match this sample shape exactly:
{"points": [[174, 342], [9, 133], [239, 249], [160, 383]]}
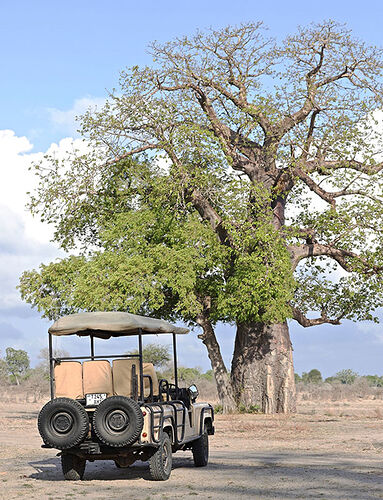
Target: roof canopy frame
{"points": [[105, 325]]}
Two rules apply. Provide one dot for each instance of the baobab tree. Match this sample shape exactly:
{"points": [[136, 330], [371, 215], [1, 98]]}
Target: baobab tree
{"points": [[236, 180]]}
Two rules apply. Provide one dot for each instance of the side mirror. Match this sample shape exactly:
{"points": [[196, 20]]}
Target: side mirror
{"points": [[193, 392]]}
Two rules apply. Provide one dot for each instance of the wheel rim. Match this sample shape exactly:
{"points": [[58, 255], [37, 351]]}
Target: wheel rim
{"points": [[62, 422], [116, 421]]}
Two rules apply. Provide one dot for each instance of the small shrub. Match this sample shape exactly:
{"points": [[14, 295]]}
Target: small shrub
{"points": [[249, 409], [218, 409]]}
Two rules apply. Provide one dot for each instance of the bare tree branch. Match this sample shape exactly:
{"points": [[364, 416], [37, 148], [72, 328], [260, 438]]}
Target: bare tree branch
{"points": [[325, 195], [324, 166], [340, 255], [310, 134], [306, 322]]}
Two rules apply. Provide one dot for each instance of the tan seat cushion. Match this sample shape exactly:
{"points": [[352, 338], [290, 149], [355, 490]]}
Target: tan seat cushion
{"points": [[97, 377], [68, 380], [148, 369], [122, 377]]}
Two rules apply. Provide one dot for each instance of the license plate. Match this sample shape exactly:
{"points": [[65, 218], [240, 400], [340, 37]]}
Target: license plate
{"points": [[94, 399]]}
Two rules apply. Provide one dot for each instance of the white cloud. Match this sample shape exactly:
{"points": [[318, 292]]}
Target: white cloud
{"points": [[375, 329], [65, 120], [25, 242]]}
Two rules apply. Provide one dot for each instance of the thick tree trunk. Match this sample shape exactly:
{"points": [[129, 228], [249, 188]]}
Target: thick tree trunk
{"points": [[262, 367], [222, 378]]}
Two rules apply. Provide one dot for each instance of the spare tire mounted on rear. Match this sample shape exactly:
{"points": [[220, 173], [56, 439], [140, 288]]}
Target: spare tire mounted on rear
{"points": [[118, 421], [63, 423]]}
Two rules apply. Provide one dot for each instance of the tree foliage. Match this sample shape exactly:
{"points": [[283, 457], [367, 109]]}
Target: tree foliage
{"points": [[17, 362], [314, 376], [346, 376], [156, 354], [175, 183], [162, 258]]}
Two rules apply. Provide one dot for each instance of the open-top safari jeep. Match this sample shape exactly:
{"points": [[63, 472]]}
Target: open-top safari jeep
{"points": [[120, 411]]}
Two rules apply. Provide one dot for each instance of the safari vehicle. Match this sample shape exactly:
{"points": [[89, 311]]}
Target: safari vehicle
{"points": [[120, 411]]}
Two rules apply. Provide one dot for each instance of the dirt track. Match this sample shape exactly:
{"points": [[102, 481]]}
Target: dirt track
{"points": [[328, 452]]}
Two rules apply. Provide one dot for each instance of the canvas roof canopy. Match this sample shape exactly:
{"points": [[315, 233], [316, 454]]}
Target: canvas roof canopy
{"points": [[111, 324]]}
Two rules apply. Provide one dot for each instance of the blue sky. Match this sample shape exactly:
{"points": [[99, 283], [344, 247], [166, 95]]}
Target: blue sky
{"points": [[59, 57]]}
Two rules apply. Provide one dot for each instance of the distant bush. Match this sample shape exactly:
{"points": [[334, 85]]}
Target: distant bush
{"points": [[312, 377], [373, 380], [331, 380]]}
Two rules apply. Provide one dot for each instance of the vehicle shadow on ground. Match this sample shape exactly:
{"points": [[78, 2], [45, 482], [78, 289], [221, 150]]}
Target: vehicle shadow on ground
{"points": [[103, 470], [282, 475]]}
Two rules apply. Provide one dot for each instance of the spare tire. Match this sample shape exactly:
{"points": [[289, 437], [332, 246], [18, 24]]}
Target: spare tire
{"points": [[63, 423], [118, 421]]}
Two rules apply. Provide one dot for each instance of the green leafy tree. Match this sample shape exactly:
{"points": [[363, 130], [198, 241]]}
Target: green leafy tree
{"points": [[156, 354], [17, 362], [236, 180], [346, 376], [312, 377]]}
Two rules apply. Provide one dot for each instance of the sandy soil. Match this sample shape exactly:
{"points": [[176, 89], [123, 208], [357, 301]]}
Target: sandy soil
{"points": [[326, 451]]}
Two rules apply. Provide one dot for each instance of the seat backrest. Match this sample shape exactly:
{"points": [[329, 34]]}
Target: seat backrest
{"points": [[148, 369], [68, 380], [97, 377], [122, 377]]}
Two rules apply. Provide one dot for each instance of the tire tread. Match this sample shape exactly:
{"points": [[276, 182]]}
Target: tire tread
{"points": [[73, 467], [200, 454], [138, 417], [156, 467]]}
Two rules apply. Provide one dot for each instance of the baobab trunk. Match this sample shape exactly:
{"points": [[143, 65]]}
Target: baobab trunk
{"points": [[262, 367]]}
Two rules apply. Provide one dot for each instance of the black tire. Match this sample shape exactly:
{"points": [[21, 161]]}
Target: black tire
{"points": [[160, 463], [200, 449], [118, 421], [63, 423], [73, 467]]}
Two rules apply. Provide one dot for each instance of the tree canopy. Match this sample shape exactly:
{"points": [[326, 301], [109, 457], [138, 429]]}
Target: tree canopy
{"points": [[17, 362], [183, 141], [156, 354]]}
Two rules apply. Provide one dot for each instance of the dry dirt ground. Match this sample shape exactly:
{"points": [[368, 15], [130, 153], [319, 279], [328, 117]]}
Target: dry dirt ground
{"points": [[327, 451]]}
